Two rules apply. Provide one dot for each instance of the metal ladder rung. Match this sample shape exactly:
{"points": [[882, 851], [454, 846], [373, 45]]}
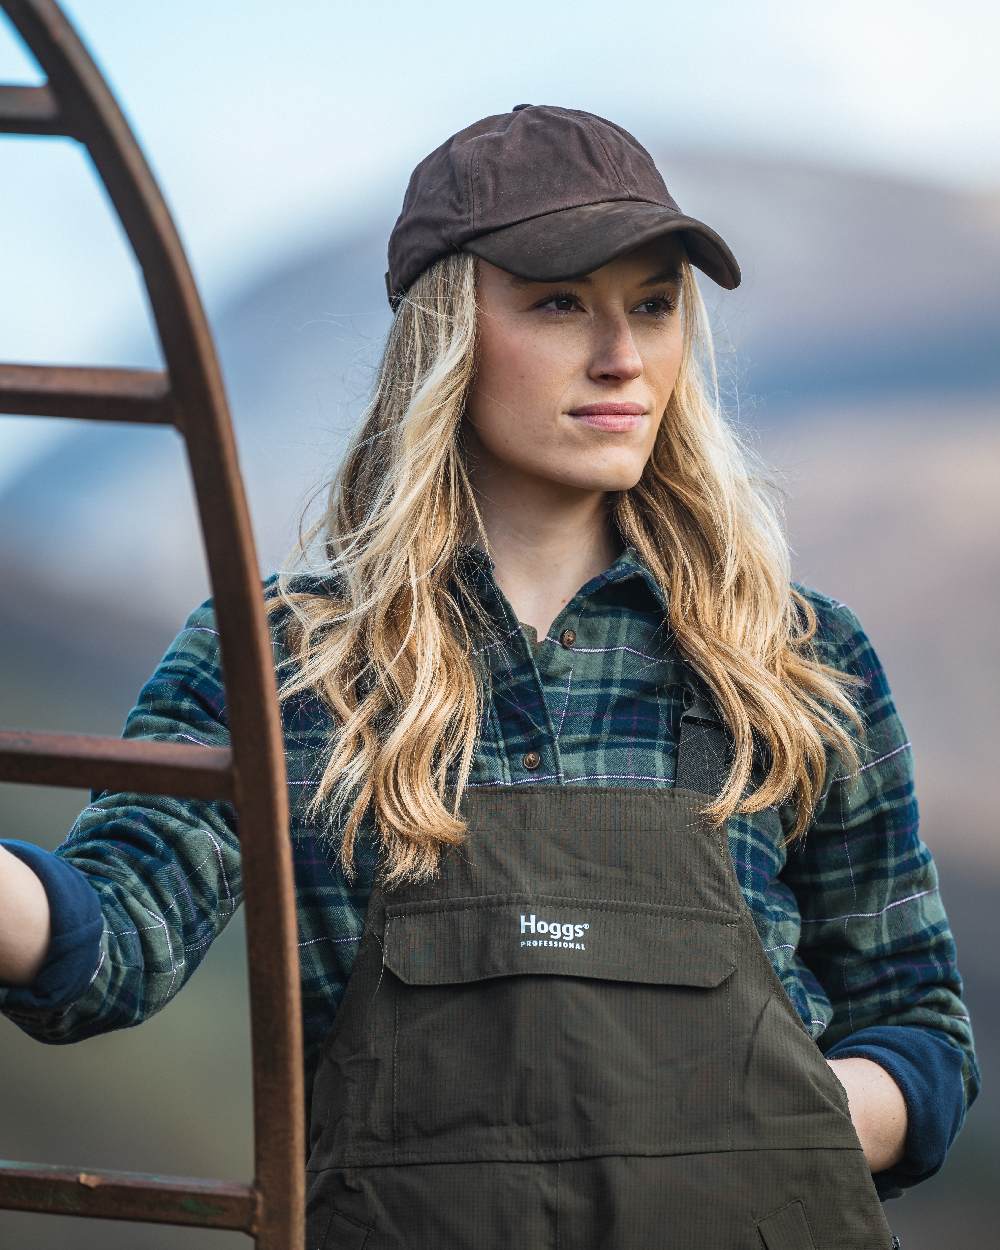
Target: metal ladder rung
{"points": [[146, 766], [90, 393], [57, 1190], [30, 111]]}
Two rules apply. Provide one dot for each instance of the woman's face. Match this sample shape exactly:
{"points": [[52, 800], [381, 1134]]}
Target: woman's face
{"points": [[550, 350]]}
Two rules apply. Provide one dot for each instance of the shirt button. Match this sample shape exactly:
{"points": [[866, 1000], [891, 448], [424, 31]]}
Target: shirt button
{"points": [[531, 760], [567, 637]]}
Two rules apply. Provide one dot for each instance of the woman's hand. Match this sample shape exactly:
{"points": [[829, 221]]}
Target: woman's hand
{"points": [[878, 1109]]}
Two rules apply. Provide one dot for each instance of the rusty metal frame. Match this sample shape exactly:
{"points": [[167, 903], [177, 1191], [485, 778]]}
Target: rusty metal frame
{"points": [[76, 102]]}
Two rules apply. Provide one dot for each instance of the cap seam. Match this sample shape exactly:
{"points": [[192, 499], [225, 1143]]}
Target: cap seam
{"points": [[474, 179], [611, 161]]}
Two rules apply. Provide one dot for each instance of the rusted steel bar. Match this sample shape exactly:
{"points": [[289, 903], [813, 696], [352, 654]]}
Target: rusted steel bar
{"points": [[42, 758], [128, 1196], [90, 114], [102, 394], [29, 111]]}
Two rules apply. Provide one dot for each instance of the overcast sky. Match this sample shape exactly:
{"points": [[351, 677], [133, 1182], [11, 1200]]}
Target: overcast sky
{"points": [[265, 124]]}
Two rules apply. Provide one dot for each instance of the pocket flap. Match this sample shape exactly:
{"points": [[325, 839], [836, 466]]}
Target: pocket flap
{"points": [[787, 1228], [441, 942], [343, 1233]]}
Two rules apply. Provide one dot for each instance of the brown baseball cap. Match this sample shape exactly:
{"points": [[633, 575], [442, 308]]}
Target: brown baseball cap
{"points": [[545, 193]]}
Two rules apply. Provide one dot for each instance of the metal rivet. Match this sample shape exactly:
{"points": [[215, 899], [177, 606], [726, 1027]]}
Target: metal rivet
{"points": [[531, 760], [568, 637]]}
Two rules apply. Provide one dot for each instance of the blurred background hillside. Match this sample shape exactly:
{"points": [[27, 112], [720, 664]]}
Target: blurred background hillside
{"points": [[849, 159]]}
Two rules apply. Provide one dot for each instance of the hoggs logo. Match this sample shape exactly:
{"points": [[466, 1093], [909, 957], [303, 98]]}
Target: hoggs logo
{"points": [[559, 933]]}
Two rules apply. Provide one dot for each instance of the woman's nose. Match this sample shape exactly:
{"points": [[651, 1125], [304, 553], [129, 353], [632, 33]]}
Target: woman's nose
{"points": [[615, 354]]}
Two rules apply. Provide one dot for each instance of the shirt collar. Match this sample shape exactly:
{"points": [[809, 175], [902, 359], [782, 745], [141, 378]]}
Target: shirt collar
{"points": [[629, 565]]}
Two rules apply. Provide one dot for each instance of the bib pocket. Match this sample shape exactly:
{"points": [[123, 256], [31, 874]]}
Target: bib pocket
{"points": [[790, 1096], [531, 1025]]}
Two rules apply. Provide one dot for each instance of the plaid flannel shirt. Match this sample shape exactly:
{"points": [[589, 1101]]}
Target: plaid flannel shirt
{"points": [[852, 919]]}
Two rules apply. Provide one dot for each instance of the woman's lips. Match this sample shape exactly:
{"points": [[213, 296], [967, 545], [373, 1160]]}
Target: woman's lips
{"points": [[609, 422], [608, 416]]}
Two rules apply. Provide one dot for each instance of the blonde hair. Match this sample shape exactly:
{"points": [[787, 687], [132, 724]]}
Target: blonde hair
{"points": [[393, 653]]}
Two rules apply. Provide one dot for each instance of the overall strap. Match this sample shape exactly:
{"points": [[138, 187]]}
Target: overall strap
{"points": [[703, 751]]}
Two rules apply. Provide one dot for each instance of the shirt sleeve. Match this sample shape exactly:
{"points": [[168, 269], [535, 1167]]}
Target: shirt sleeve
{"points": [[874, 930], [142, 884]]}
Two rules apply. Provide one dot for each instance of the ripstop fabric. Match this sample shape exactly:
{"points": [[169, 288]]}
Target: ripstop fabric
{"points": [[573, 1037]]}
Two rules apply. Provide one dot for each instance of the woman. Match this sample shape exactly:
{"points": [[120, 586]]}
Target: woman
{"points": [[618, 820]]}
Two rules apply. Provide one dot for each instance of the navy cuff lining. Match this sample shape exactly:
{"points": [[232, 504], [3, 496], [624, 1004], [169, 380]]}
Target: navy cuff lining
{"points": [[926, 1064], [77, 926]]}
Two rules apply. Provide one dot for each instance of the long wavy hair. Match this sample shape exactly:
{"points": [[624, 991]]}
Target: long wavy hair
{"points": [[394, 653]]}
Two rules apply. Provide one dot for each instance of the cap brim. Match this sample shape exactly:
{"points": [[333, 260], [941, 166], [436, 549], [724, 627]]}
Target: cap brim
{"points": [[573, 241]]}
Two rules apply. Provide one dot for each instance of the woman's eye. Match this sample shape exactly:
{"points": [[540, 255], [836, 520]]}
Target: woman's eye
{"points": [[558, 299], [657, 305], [661, 305]]}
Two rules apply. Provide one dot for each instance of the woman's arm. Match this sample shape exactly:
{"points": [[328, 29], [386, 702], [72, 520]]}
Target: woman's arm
{"points": [[876, 938], [878, 1110], [24, 921], [141, 885]]}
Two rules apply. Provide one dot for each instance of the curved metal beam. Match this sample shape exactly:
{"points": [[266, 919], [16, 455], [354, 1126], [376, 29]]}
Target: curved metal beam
{"points": [[76, 101]]}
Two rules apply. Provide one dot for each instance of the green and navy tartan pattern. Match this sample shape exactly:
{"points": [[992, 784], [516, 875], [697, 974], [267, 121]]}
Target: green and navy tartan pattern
{"points": [[852, 920]]}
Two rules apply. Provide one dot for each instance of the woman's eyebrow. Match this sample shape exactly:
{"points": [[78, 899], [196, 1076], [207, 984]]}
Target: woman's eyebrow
{"points": [[671, 274]]}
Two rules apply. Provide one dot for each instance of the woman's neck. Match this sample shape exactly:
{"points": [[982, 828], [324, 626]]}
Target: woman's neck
{"points": [[538, 582]]}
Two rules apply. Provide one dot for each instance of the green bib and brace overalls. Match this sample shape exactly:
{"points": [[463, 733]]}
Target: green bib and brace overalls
{"points": [[574, 1039]]}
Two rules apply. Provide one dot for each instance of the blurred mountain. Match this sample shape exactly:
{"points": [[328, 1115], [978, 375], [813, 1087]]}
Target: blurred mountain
{"points": [[893, 507], [855, 286]]}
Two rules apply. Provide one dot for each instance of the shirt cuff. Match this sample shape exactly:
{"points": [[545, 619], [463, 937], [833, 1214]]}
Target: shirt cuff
{"points": [[926, 1064], [77, 927]]}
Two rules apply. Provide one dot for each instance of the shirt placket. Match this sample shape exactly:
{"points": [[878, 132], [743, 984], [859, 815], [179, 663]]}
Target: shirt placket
{"points": [[523, 696]]}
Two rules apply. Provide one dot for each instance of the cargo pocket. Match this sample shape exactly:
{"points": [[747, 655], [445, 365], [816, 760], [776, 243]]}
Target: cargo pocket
{"points": [[786, 1229], [541, 1026]]}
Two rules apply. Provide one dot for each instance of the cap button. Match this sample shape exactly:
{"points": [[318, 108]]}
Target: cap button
{"points": [[520, 106]]}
